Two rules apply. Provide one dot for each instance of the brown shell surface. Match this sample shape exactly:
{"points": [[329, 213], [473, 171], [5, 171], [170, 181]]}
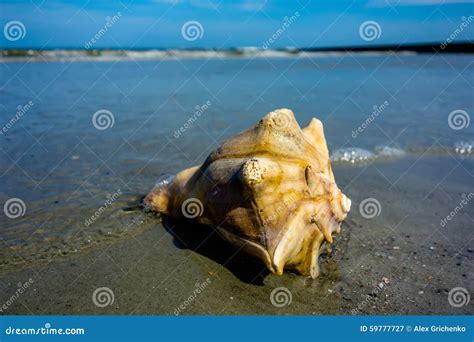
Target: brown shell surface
{"points": [[269, 190]]}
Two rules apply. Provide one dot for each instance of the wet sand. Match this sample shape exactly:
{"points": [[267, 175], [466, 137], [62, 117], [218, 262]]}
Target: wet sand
{"points": [[402, 261]]}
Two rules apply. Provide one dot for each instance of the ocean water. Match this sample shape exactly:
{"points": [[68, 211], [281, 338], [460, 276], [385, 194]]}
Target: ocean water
{"points": [[80, 180]]}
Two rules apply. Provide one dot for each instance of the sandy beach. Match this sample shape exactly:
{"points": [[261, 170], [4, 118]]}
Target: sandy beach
{"points": [[384, 265]]}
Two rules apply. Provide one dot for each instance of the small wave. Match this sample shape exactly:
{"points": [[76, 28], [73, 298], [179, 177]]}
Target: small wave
{"points": [[464, 148], [356, 155], [163, 54], [389, 152], [352, 155], [163, 181]]}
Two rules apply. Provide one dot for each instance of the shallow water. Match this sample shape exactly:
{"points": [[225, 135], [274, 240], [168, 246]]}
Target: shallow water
{"points": [[65, 170]]}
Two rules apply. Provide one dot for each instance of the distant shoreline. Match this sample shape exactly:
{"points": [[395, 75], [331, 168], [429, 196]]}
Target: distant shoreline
{"points": [[465, 47], [104, 54], [418, 47]]}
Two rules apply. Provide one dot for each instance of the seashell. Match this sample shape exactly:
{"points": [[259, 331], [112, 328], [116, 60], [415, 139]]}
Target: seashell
{"points": [[269, 190]]}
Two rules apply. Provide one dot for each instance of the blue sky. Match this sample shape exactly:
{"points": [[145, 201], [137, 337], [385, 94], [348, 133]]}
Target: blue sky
{"points": [[158, 23]]}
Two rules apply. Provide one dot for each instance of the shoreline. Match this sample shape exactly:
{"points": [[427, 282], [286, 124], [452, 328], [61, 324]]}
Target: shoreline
{"points": [[136, 220], [143, 54]]}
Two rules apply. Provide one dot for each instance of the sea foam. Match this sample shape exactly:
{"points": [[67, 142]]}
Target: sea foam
{"points": [[352, 155], [356, 155], [464, 147]]}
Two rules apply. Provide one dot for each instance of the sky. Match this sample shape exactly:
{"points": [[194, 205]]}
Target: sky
{"points": [[223, 24]]}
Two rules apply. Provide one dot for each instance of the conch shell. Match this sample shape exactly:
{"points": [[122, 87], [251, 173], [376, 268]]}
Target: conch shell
{"points": [[269, 190]]}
